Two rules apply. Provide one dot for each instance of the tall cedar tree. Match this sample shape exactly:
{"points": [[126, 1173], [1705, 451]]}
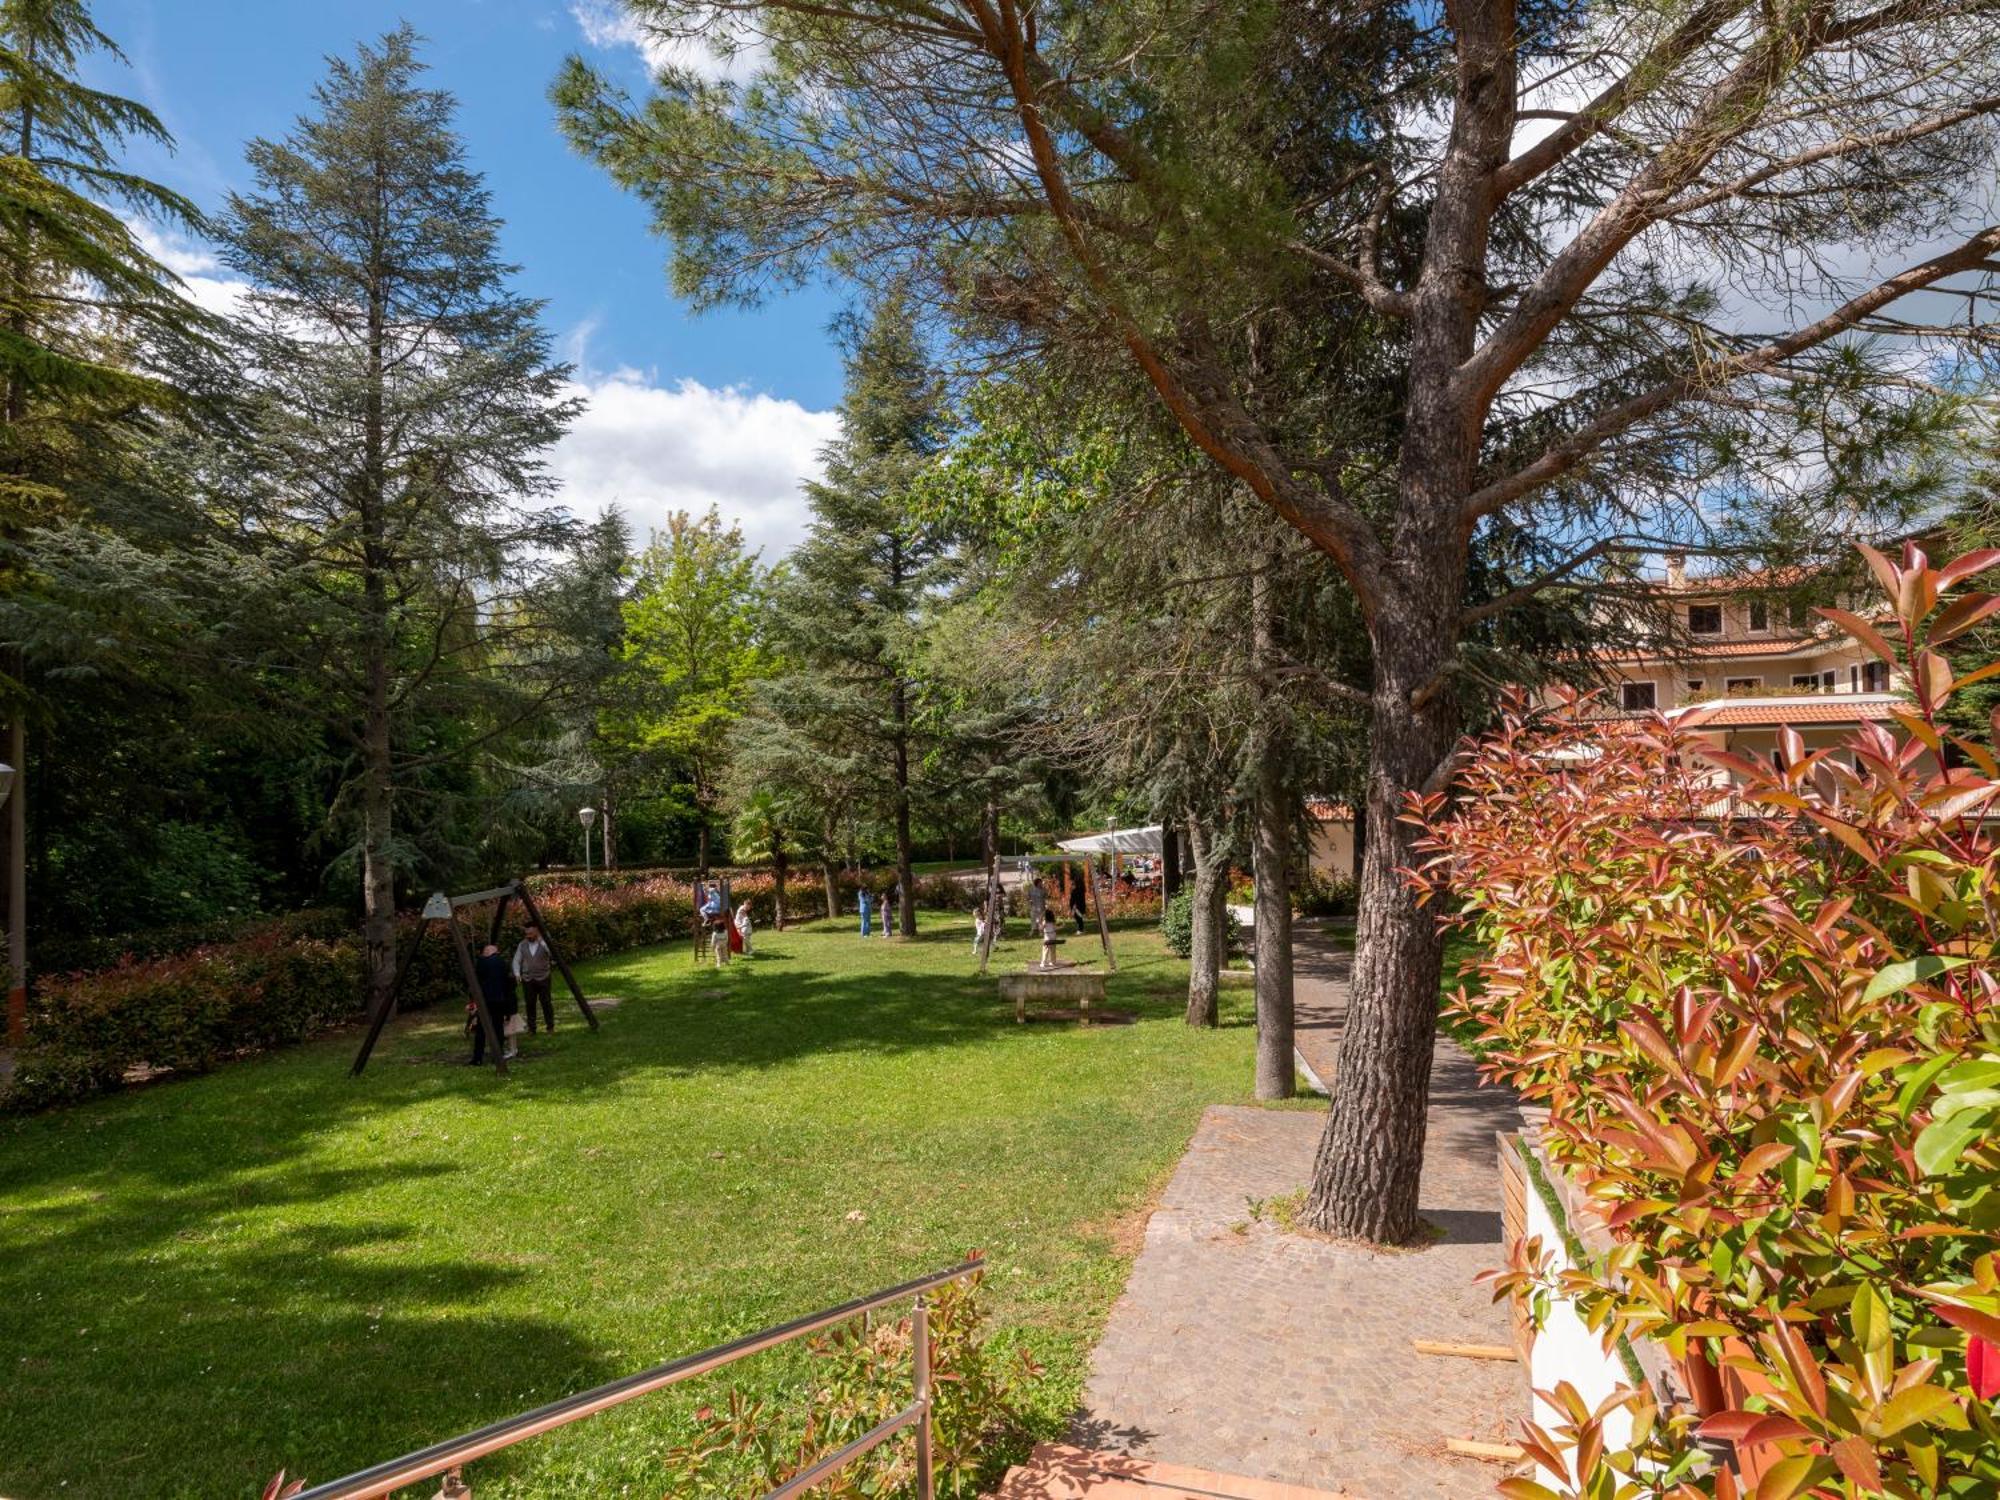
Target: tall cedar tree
{"points": [[83, 306], [847, 616], [403, 401], [693, 644], [1610, 261]]}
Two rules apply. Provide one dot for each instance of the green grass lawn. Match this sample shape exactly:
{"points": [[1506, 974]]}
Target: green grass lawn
{"points": [[281, 1265]]}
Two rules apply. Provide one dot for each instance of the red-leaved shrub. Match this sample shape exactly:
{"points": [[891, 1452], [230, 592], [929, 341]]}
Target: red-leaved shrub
{"points": [[1766, 1034]]}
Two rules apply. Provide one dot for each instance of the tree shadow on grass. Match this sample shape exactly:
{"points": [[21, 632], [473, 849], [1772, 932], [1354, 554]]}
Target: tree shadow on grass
{"points": [[189, 1299], [173, 1350]]}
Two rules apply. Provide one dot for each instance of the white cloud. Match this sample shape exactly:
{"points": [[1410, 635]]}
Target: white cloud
{"points": [[727, 51], [654, 449], [208, 281]]}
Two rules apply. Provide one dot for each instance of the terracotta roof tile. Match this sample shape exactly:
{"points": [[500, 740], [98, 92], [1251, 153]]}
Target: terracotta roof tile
{"points": [[1703, 650], [1834, 708]]}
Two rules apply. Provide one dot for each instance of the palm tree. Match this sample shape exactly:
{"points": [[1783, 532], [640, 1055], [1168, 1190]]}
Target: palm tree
{"points": [[764, 831]]}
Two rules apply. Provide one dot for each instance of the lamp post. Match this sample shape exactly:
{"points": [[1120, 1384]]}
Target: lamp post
{"points": [[586, 816]]}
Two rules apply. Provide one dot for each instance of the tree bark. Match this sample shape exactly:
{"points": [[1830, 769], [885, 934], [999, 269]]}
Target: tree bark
{"points": [[1211, 865], [378, 872], [989, 850], [906, 894], [1271, 936], [16, 814], [1170, 864], [779, 865], [701, 848], [832, 890]]}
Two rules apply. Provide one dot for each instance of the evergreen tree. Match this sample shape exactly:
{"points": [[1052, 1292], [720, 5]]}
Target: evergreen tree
{"points": [[849, 612], [402, 404], [86, 315]]}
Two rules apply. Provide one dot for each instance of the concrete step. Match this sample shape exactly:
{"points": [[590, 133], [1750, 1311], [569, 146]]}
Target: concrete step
{"points": [[1058, 1471]]}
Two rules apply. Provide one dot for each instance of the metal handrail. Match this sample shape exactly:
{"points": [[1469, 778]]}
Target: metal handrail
{"points": [[427, 1463]]}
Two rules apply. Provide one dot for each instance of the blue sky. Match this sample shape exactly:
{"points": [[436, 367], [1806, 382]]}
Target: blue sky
{"points": [[726, 407]]}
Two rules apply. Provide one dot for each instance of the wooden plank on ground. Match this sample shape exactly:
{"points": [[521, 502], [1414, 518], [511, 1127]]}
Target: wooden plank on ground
{"points": [[1497, 1453], [1462, 1351]]}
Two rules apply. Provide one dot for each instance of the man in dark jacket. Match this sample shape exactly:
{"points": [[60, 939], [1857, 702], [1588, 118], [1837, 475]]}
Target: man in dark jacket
{"points": [[496, 988]]}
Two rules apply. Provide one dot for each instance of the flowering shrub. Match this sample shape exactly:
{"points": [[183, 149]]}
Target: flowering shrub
{"points": [[1770, 1052], [288, 979]]}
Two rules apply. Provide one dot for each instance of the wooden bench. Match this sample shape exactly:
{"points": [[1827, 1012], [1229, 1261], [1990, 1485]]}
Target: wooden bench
{"points": [[1064, 986]]}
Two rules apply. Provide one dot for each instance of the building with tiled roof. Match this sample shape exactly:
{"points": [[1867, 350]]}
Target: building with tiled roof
{"points": [[1739, 666]]}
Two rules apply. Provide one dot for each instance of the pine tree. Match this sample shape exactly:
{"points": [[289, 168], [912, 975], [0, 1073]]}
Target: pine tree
{"points": [[849, 612], [85, 313], [402, 404]]}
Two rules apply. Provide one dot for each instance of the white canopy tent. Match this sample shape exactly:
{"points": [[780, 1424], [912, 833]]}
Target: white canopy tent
{"points": [[1117, 841]]}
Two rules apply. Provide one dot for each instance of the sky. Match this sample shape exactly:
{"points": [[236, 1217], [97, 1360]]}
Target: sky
{"points": [[729, 408]]}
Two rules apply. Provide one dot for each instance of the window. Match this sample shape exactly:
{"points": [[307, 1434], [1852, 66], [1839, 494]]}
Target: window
{"points": [[1744, 685], [1694, 684], [1826, 680], [1875, 677], [1808, 681], [1760, 615], [1637, 697], [1705, 619], [1777, 761], [1854, 678]]}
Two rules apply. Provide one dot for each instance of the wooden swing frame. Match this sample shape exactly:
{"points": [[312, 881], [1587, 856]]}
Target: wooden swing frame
{"points": [[997, 909], [444, 908]]}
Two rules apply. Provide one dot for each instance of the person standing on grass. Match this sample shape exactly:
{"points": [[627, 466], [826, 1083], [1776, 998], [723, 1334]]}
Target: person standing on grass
{"points": [[1076, 902], [864, 900], [892, 907], [496, 988], [1049, 939], [532, 963], [741, 941], [716, 920]]}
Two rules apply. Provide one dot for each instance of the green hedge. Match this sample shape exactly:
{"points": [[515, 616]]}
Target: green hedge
{"points": [[186, 1012]]}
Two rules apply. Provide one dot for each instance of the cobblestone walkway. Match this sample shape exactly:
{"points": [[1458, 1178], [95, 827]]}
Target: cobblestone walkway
{"points": [[1241, 1348]]}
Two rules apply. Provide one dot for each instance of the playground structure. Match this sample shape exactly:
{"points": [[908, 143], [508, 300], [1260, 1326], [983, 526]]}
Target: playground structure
{"points": [[445, 908], [1083, 851]]}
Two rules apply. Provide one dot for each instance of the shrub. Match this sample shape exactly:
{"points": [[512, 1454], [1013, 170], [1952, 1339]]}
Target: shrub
{"points": [[289, 979], [1317, 895], [1770, 1052], [860, 1377], [946, 893], [1177, 925]]}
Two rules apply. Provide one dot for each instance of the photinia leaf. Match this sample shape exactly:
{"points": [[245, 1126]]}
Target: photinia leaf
{"points": [[1982, 1367], [1862, 631], [1900, 976], [1943, 1141]]}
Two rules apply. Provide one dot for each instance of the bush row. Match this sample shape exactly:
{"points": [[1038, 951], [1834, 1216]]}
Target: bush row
{"points": [[287, 979]]}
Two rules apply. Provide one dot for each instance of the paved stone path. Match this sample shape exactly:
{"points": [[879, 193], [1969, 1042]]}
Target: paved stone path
{"points": [[1242, 1348]]}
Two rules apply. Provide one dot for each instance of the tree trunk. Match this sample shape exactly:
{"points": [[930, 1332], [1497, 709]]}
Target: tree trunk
{"points": [[1277, 1072], [608, 845], [779, 864], [1170, 864], [832, 890], [701, 849], [16, 814], [906, 904], [989, 849], [1366, 1177], [378, 873], [1205, 953]]}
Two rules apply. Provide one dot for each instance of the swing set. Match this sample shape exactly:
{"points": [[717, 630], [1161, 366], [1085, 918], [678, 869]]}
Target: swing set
{"points": [[444, 908], [1037, 899]]}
